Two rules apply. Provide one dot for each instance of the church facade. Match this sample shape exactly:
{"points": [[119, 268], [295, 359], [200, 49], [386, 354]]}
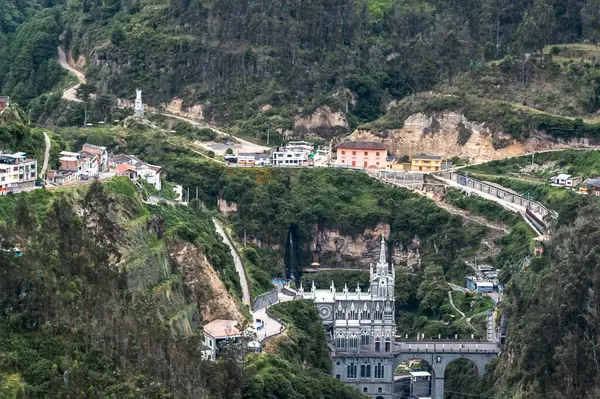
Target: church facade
{"points": [[362, 329]]}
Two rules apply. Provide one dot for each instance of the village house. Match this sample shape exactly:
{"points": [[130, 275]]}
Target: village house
{"points": [[426, 163], [479, 285], [565, 180], [61, 177], [101, 154], [140, 169], [590, 186], [362, 154], [128, 171], [16, 171], [215, 333], [246, 158], [294, 153]]}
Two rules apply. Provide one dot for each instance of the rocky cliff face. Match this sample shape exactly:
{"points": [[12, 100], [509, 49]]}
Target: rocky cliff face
{"points": [[322, 123], [332, 249], [202, 283], [176, 107], [450, 134]]}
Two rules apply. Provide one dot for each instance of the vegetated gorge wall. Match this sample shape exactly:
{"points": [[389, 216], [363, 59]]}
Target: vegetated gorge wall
{"points": [[449, 134], [333, 249]]}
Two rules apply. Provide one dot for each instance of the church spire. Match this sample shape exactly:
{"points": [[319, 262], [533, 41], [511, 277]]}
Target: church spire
{"points": [[382, 252], [382, 265]]}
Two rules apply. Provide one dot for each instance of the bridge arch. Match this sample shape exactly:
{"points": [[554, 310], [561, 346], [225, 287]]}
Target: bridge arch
{"points": [[439, 360]]}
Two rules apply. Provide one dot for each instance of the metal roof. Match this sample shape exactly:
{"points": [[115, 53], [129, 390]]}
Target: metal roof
{"points": [[432, 157]]}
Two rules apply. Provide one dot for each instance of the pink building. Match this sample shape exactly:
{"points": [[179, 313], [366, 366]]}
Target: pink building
{"points": [[362, 154]]}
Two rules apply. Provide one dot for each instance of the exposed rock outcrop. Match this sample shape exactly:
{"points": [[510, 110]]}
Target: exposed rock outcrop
{"points": [[323, 122], [332, 249], [450, 134], [202, 283], [176, 107], [225, 207]]}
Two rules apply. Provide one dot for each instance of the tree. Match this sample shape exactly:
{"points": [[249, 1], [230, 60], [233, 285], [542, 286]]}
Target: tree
{"points": [[536, 29], [117, 36], [432, 290], [85, 91]]}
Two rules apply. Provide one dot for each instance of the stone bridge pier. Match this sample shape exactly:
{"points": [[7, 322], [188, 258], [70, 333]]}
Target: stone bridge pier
{"points": [[440, 358]]}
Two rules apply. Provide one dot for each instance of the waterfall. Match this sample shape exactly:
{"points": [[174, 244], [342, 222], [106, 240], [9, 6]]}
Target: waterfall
{"points": [[289, 255]]}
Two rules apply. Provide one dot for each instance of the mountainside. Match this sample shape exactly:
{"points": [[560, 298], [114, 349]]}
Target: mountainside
{"points": [[258, 66]]}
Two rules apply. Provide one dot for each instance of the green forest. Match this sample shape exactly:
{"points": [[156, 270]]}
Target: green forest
{"points": [[234, 57]]}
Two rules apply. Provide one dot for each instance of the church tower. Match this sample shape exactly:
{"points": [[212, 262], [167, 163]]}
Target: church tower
{"points": [[362, 329]]}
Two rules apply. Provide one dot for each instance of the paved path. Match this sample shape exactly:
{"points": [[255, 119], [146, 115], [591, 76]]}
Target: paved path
{"points": [[239, 264], [46, 155]]}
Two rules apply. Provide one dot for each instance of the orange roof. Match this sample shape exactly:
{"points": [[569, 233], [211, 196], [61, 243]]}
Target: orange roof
{"points": [[124, 168], [222, 329]]}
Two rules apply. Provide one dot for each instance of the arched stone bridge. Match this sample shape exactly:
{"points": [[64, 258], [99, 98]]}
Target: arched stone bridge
{"points": [[440, 353]]}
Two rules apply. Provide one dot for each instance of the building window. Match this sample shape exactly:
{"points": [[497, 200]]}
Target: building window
{"points": [[379, 390], [377, 163], [377, 153], [351, 370], [366, 153], [364, 339], [353, 341], [343, 161], [377, 346], [337, 377], [341, 342], [379, 370], [353, 152], [343, 152], [365, 390], [365, 371], [365, 315], [387, 344]]}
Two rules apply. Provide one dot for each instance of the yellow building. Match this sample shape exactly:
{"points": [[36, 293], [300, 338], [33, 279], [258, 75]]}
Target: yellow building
{"points": [[426, 163]]}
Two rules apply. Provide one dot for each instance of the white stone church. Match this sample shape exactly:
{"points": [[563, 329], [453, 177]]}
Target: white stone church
{"points": [[362, 328]]}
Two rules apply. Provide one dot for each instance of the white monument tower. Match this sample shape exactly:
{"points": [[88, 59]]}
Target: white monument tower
{"points": [[139, 105]]}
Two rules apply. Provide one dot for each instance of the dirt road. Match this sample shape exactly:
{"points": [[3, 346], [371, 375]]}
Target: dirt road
{"points": [[71, 93]]}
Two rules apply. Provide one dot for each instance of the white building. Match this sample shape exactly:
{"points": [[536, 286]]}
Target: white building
{"points": [[150, 173], [565, 180], [215, 333], [101, 154], [16, 171], [362, 326], [294, 153]]}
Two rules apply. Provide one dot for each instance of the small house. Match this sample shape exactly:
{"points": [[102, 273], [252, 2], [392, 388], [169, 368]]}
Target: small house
{"points": [[426, 163], [590, 186], [420, 385], [216, 333], [479, 286], [127, 170], [565, 180]]}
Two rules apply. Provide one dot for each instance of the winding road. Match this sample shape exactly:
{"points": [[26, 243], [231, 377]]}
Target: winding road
{"points": [[71, 95], [239, 264]]}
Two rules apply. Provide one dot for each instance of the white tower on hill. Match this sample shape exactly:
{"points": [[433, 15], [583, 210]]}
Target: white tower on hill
{"points": [[138, 111]]}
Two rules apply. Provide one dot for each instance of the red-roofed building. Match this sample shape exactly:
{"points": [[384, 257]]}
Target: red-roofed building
{"points": [[127, 170]]}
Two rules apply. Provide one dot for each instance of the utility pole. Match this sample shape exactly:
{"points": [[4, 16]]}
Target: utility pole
{"points": [[85, 115], [196, 192], [532, 155], [188, 195], [268, 137]]}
